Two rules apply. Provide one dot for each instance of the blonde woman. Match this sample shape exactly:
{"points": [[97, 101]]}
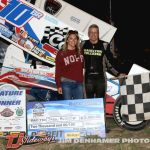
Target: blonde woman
{"points": [[69, 68]]}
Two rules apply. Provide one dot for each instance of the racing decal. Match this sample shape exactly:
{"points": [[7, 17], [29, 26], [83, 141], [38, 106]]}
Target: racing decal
{"points": [[5, 31], [18, 13], [50, 48], [54, 36], [52, 6]]}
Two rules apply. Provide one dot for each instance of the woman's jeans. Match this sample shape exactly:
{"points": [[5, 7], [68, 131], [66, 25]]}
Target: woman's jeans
{"points": [[72, 90]]}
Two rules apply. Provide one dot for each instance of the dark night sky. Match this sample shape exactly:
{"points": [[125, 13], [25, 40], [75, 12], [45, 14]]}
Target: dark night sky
{"points": [[132, 21]]}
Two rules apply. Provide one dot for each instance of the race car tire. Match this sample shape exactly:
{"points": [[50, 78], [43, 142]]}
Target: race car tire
{"points": [[133, 126]]}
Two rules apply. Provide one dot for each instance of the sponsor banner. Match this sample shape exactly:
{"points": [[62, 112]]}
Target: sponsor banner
{"points": [[34, 31], [24, 77], [16, 140], [12, 109], [67, 119]]}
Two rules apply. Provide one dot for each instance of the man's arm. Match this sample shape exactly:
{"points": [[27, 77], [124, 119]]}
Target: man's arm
{"points": [[109, 67]]}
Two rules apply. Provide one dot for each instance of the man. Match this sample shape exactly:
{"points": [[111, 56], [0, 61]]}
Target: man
{"points": [[96, 64]]}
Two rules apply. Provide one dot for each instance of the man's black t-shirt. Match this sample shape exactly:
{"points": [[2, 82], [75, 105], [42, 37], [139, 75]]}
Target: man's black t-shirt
{"points": [[93, 57]]}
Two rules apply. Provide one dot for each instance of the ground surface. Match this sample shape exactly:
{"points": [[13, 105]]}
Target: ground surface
{"points": [[115, 132]]}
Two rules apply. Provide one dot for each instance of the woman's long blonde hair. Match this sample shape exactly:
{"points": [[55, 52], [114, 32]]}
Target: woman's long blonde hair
{"points": [[65, 45]]}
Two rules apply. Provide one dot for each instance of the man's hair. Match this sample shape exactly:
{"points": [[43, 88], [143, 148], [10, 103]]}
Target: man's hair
{"points": [[94, 26]]}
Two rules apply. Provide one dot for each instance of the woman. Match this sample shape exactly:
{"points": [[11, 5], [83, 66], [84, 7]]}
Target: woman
{"points": [[69, 68]]}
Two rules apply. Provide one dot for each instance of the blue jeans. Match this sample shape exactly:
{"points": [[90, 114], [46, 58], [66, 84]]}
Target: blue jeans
{"points": [[72, 90]]}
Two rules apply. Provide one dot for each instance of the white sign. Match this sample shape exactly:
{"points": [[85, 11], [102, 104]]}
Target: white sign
{"points": [[12, 109]]}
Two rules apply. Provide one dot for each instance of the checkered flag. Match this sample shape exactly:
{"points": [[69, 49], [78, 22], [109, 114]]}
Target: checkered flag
{"points": [[135, 92], [54, 36]]}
